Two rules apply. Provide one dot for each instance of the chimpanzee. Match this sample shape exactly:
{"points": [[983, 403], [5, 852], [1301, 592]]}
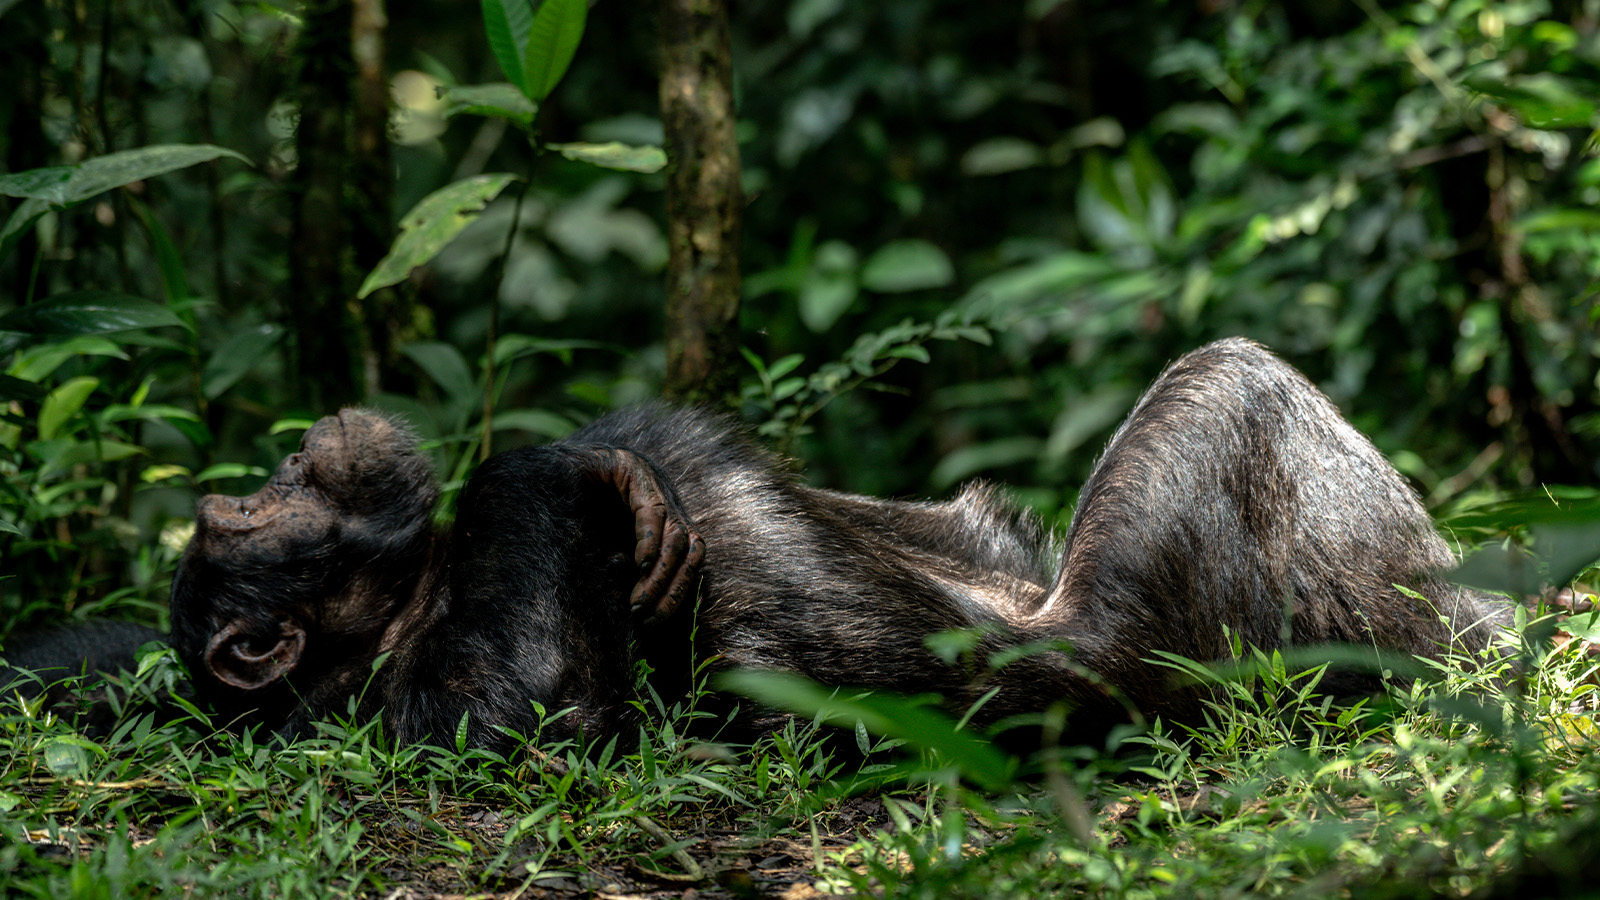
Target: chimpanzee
{"points": [[1233, 497]]}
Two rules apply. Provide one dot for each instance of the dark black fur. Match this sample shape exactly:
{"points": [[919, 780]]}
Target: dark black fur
{"points": [[68, 665], [1233, 496]]}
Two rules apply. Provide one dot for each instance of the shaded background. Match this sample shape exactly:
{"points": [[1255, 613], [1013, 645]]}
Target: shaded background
{"points": [[1395, 196]]}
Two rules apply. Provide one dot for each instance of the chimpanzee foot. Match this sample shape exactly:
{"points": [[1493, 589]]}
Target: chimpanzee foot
{"points": [[666, 548]]}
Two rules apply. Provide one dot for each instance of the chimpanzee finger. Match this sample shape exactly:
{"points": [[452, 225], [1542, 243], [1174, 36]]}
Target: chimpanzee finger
{"points": [[649, 524], [683, 580], [669, 543]]}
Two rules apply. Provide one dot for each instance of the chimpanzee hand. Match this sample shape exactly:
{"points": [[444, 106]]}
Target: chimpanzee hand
{"points": [[667, 549]]}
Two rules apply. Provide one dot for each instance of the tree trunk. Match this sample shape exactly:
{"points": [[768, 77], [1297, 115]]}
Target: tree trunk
{"points": [[704, 201], [386, 315], [27, 69], [340, 188]]}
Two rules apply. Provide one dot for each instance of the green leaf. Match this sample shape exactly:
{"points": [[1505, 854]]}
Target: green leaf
{"points": [[433, 223], [39, 184], [61, 187], [998, 155], [552, 40], [228, 470], [512, 347], [615, 155], [18, 389], [173, 275], [908, 719], [1560, 553], [36, 363], [283, 425], [1543, 100], [972, 459], [68, 756], [65, 185], [445, 365], [505, 22], [534, 421], [1560, 219], [824, 298], [909, 265], [500, 100], [88, 312], [154, 412], [236, 357], [63, 403]]}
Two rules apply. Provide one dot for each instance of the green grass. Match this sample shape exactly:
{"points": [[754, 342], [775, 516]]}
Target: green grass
{"points": [[1481, 784]]}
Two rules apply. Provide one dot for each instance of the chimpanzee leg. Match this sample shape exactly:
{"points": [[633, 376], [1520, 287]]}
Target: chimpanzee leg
{"points": [[1236, 496], [540, 571]]}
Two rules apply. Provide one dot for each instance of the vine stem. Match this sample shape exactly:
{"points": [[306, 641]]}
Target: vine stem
{"points": [[484, 448]]}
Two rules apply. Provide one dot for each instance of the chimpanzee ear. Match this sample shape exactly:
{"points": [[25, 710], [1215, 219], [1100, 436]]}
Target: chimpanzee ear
{"points": [[248, 660]]}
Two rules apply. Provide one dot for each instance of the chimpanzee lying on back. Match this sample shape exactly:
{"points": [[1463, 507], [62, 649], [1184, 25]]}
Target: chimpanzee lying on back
{"points": [[1234, 496]]}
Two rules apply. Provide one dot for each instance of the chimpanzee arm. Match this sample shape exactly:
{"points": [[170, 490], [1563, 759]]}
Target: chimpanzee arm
{"points": [[48, 661], [666, 549], [87, 648], [558, 558]]}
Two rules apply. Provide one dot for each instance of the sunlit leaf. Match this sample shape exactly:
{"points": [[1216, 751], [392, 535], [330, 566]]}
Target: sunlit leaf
{"points": [[998, 155], [1586, 220], [615, 155], [228, 470], [824, 298], [63, 403], [909, 265], [499, 100], [433, 223]]}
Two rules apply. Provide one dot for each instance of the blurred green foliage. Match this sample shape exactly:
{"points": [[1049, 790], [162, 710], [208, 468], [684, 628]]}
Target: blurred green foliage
{"points": [[1401, 197]]}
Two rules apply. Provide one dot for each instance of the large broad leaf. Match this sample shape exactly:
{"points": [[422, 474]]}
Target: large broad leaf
{"points": [[17, 389], [506, 22], [1566, 540], [499, 100], [909, 265], [1560, 553], [615, 155], [60, 187], [552, 39], [236, 357], [1543, 100], [907, 719], [433, 223], [448, 369], [88, 312], [63, 403], [534, 421]]}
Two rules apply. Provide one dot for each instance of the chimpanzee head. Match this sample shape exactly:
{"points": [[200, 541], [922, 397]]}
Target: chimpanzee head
{"points": [[312, 565]]}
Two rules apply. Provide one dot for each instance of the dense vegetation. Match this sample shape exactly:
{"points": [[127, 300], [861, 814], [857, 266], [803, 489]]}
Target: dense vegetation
{"points": [[972, 233]]}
